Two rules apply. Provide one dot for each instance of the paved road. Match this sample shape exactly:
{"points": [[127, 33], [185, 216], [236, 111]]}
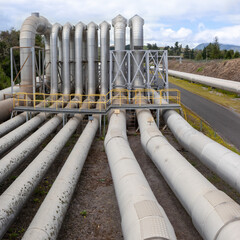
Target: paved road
{"points": [[223, 121]]}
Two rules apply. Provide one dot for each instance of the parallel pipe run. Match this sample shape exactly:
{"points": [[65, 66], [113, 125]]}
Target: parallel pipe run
{"points": [[13, 137], [13, 123], [48, 220], [6, 107], [66, 35], [55, 36], [214, 214], [142, 216], [13, 199], [215, 156], [104, 43], [33, 25], [228, 85], [80, 31], [92, 56]]}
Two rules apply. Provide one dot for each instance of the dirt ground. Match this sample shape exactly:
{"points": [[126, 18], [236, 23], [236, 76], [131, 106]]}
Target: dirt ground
{"points": [[93, 213], [225, 69]]}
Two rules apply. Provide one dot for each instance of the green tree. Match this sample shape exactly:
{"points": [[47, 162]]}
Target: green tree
{"points": [[186, 53], [199, 56], [236, 54]]}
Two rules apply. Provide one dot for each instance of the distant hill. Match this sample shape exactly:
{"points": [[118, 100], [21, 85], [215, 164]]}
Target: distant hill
{"points": [[222, 47]]}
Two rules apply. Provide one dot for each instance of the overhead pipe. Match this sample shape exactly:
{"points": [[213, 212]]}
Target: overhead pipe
{"points": [[16, 195], [222, 161], [136, 38], [232, 86], [105, 46], [91, 56], [66, 35], [80, 29], [55, 36], [33, 25], [48, 219], [119, 23], [214, 214], [141, 215]]}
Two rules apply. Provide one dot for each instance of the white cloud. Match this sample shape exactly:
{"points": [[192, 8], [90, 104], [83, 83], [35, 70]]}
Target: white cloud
{"points": [[230, 35], [160, 16]]}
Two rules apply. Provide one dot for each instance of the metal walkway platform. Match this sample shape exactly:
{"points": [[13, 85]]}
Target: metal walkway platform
{"points": [[96, 111]]}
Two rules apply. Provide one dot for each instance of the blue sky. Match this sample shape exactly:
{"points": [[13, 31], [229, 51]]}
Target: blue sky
{"points": [[166, 21]]}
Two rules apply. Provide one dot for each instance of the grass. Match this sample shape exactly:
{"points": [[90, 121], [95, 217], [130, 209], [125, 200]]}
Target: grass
{"points": [[222, 97], [196, 122]]}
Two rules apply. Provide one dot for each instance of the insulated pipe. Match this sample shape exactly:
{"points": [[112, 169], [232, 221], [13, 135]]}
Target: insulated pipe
{"points": [[14, 122], [33, 25], [91, 53], [104, 42], [219, 159], [48, 220], [16, 195], [136, 27], [80, 28], [214, 214], [119, 23], [8, 91], [228, 85], [13, 137], [55, 36], [141, 215], [6, 107], [66, 34], [16, 157]]}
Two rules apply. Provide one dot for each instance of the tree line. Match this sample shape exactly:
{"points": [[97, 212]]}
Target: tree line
{"points": [[210, 52]]}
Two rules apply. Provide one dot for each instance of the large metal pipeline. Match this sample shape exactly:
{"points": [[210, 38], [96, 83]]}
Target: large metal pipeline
{"points": [[33, 25], [55, 36], [13, 199], [80, 30], [92, 55], [104, 43], [228, 85], [48, 220], [218, 158], [136, 28], [141, 215], [66, 38], [214, 214]]}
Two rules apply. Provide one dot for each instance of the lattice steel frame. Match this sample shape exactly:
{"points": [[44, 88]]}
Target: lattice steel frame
{"points": [[153, 68]]}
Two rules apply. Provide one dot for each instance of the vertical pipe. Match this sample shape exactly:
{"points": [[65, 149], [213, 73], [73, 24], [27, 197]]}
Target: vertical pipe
{"points": [[72, 60], [136, 27], [104, 41], [47, 61], [30, 27], [119, 23], [67, 28], [55, 35], [91, 53], [80, 28]]}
